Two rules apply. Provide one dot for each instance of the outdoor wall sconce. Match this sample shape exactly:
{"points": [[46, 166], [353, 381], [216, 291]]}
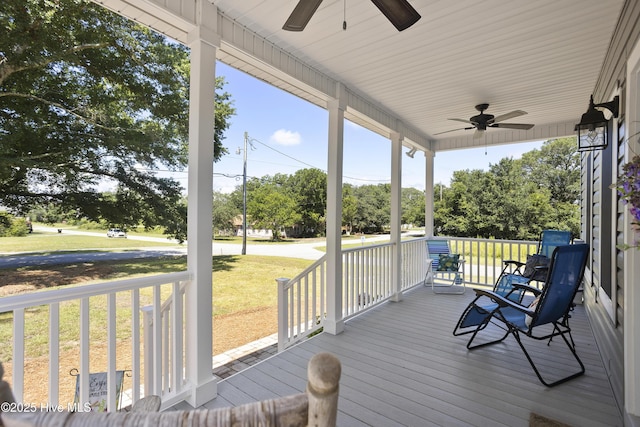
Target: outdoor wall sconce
{"points": [[411, 152], [593, 129]]}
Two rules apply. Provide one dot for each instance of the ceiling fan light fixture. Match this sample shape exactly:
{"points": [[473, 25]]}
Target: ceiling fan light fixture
{"points": [[301, 15], [401, 14]]}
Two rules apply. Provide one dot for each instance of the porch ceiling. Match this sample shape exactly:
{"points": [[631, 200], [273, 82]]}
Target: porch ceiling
{"points": [[543, 57]]}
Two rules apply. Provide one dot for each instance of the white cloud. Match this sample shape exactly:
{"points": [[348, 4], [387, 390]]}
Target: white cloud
{"points": [[285, 137]]}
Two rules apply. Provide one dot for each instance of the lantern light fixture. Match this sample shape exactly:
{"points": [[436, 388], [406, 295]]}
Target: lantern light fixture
{"points": [[593, 129]]}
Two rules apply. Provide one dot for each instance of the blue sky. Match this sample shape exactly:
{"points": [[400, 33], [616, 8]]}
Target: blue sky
{"points": [[289, 133]]}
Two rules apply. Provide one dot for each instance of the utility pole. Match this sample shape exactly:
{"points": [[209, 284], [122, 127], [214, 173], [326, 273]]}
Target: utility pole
{"points": [[244, 196]]}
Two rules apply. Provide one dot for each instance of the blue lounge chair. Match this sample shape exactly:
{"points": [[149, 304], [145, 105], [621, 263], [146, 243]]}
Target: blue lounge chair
{"points": [[475, 316], [548, 318], [548, 241]]}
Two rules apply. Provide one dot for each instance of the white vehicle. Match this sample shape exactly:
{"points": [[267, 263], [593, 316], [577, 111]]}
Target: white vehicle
{"points": [[116, 232]]}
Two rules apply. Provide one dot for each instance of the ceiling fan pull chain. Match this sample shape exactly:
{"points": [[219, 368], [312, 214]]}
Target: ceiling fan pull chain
{"points": [[344, 20]]}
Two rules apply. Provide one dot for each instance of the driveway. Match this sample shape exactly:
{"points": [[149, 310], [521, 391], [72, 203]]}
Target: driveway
{"points": [[291, 250]]}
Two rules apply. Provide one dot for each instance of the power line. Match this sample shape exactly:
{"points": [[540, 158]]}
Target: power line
{"points": [[315, 167]]}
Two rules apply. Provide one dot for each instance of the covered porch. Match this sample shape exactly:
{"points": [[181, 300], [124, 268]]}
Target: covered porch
{"points": [[403, 366], [413, 372]]}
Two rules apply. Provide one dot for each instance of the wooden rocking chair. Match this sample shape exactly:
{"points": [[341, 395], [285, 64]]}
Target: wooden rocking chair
{"points": [[318, 406]]}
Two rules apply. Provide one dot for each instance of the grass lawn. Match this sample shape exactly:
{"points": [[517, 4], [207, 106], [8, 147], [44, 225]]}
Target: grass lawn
{"points": [[43, 243]]}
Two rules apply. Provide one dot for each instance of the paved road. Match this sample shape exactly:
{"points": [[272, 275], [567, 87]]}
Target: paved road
{"points": [[292, 250]]}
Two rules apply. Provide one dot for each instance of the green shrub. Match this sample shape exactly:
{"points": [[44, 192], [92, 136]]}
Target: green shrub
{"points": [[10, 226]]}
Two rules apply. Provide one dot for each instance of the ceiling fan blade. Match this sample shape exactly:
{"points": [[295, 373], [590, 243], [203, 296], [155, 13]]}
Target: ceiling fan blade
{"points": [[511, 115], [463, 121], [399, 12], [521, 126], [301, 15], [452, 130], [478, 134]]}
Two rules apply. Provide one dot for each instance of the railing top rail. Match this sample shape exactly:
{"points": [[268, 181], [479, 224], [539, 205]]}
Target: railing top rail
{"points": [[15, 302], [475, 239], [366, 247], [304, 273]]}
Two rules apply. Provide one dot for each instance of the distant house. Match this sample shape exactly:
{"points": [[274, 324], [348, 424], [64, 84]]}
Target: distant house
{"points": [[254, 232]]}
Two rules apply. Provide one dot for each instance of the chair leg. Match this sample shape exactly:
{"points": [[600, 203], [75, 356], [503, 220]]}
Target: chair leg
{"points": [[451, 288], [484, 344], [516, 335]]}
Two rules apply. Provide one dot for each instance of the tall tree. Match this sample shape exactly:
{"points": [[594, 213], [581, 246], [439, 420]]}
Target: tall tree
{"points": [[89, 98], [556, 166], [349, 206], [309, 187], [515, 199], [413, 204], [224, 212], [374, 207], [272, 207]]}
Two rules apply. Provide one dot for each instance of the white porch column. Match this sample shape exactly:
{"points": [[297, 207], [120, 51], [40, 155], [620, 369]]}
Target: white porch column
{"points": [[334, 324], [199, 219], [428, 193], [396, 215]]}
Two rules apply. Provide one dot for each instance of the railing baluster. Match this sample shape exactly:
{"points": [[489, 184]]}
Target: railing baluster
{"points": [[299, 313], [111, 352], [306, 304], [323, 291], [54, 354], [314, 296], [166, 362], [178, 337], [135, 346], [157, 341], [18, 354], [84, 350]]}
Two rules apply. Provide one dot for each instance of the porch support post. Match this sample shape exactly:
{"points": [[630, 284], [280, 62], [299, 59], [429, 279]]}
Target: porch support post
{"points": [[396, 215], [334, 323], [203, 44], [428, 193]]}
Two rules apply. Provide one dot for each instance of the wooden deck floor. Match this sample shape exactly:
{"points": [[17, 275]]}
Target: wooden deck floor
{"points": [[402, 366]]}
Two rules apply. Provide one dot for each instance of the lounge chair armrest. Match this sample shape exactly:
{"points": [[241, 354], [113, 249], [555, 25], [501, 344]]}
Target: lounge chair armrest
{"points": [[527, 288], [512, 261], [502, 301]]}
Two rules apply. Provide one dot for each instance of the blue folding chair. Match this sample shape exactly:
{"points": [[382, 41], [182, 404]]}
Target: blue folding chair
{"points": [[547, 318], [535, 267], [445, 270]]}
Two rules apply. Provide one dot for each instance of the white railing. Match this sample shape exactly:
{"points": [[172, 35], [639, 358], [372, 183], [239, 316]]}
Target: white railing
{"points": [[301, 304], [108, 329], [367, 280], [484, 257], [366, 277], [164, 364]]}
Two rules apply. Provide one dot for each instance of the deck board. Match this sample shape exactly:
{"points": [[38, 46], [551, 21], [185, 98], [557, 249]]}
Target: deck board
{"points": [[402, 366]]}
